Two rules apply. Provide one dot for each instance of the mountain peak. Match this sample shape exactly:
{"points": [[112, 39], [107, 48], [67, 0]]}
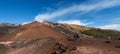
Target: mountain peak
{"points": [[56, 38], [35, 22]]}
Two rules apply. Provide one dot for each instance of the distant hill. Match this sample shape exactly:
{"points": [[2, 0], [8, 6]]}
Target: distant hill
{"points": [[6, 28], [86, 31], [55, 38], [96, 32]]}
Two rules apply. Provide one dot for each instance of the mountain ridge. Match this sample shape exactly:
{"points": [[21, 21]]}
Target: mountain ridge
{"points": [[56, 38]]}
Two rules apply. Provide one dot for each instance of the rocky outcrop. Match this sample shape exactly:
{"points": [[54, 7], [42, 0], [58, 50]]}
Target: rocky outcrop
{"points": [[6, 28], [63, 29], [54, 38]]}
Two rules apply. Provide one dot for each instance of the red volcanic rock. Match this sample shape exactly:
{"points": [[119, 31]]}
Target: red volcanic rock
{"points": [[34, 30], [38, 38]]}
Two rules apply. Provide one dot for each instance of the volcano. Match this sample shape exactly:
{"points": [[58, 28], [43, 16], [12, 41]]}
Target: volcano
{"points": [[33, 30], [56, 38]]}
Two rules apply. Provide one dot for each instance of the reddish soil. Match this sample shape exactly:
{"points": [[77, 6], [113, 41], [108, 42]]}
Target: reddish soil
{"points": [[37, 38], [33, 31], [1, 33]]}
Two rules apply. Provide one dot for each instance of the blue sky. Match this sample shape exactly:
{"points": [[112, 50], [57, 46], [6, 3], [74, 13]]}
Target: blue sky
{"points": [[93, 13]]}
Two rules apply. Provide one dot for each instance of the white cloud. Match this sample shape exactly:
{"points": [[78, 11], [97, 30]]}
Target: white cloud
{"points": [[77, 22], [112, 26], [25, 23], [83, 8]]}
